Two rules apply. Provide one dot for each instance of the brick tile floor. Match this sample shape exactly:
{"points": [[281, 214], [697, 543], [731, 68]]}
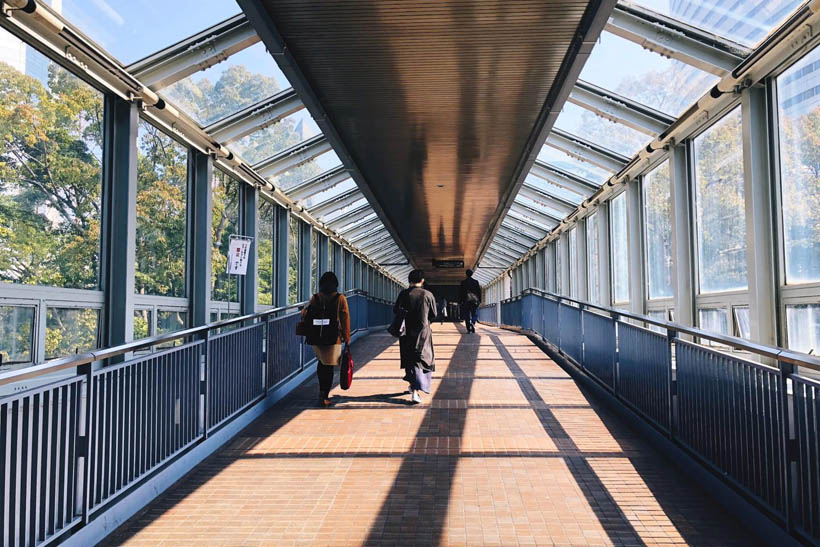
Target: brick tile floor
{"points": [[506, 450]]}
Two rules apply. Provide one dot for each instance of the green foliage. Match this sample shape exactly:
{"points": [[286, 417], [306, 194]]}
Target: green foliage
{"points": [[224, 224]]}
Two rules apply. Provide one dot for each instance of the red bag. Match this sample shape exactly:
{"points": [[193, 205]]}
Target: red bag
{"points": [[346, 368]]}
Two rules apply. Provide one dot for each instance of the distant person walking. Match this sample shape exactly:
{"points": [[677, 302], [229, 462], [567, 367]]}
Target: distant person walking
{"points": [[470, 297], [328, 322], [442, 312], [416, 344]]}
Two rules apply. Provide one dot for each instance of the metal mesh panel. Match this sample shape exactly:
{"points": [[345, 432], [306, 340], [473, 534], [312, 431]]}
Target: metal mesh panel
{"points": [[234, 372]]}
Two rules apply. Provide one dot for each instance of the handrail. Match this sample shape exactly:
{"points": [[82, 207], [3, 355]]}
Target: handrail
{"points": [[62, 363], [779, 354]]}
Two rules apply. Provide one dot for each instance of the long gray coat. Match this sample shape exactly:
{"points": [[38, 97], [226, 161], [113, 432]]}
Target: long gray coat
{"points": [[416, 346]]}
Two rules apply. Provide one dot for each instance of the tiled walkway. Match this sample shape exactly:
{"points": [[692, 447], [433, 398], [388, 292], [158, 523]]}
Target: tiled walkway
{"points": [[506, 451]]}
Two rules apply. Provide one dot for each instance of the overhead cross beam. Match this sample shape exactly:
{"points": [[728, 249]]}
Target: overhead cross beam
{"points": [[534, 230], [503, 252], [586, 151], [616, 108], [376, 244], [561, 178], [671, 38], [548, 221], [255, 117], [517, 246], [200, 51], [390, 255], [289, 158], [351, 217], [336, 202], [368, 235], [362, 228], [518, 237], [499, 259], [319, 183], [559, 204]]}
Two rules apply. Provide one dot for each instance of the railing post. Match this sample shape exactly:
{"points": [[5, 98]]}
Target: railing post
{"points": [[85, 476], [581, 308], [788, 456], [671, 381], [204, 383], [617, 358]]}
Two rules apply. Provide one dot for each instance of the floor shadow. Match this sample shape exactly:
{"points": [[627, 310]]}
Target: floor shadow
{"points": [[399, 398]]}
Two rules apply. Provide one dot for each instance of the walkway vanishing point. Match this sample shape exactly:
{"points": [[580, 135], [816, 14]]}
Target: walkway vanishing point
{"points": [[507, 450]]}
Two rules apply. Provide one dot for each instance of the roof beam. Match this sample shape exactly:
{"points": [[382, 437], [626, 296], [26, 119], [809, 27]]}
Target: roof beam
{"points": [[503, 252], [378, 244], [388, 256], [359, 229], [351, 217], [319, 183], [676, 40], [561, 178], [255, 117], [536, 194], [538, 216], [586, 151], [527, 227], [616, 108], [375, 229], [516, 246], [200, 51], [289, 158], [500, 260], [518, 236], [335, 203]]}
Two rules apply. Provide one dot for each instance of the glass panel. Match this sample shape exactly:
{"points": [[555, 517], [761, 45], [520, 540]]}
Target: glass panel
{"points": [[626, 68], [16, 329], [50, 171], [307, 170], [541, 206], [746, 23], [620, 256], [131, 30], [339, 213], [293, 260], [714, 320], [799, 119], [572, 165], [592, 258], [162, 166], [554, 189], [244, 79], [265, 143], [721, 213], [314, 260], [264, 249], [224, 224], [71, 330], [660, 315], [142, 324], [803, 325], [170, 321], [573, 263], [330, 193], [743, 329], [606, 134], [658, 209]]}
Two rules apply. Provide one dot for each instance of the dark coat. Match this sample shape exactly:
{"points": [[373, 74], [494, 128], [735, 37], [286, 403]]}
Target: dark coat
{"points": [[416, 346], [469, 285]]}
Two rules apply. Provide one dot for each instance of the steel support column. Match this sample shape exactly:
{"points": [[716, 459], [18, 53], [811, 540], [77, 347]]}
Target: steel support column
{"points": [[760, 221], [581, 257], [305, 262], [248, 284], [563, 248], [634, 230], [682, 236], [604, 256], [322, 251], [348, 267], [119, 220]]}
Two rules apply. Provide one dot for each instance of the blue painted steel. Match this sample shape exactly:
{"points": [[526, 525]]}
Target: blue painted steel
{"points": [[38, 462], [528, 312], [570, 333], [550, 320], [599, 347], [731, 416], [283, 349], [511, 313], [234, 372], [487, 313], [806, 515], [644, 372]]}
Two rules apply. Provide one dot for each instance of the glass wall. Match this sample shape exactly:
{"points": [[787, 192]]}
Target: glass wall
{"points": [[720, 206], [265, 245], [224, 224], [657, 200], [162, 166], [593, 286], [293, 260], [620, 251]]}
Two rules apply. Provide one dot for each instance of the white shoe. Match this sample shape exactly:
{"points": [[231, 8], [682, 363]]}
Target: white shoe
{"points": [[416, 397]]}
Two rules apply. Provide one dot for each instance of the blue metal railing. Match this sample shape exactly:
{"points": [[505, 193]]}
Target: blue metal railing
{"points": [[73, 446], [755, 425]]}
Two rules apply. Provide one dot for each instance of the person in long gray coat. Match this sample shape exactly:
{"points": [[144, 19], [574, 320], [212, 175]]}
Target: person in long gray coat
{"points": [[416, 345]]}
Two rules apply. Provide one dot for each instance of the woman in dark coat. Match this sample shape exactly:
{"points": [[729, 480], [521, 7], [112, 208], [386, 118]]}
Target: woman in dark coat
{"points": [[416, 345]]}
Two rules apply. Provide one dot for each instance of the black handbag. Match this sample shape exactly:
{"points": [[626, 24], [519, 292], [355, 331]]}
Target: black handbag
{"points": [[397, 327]]}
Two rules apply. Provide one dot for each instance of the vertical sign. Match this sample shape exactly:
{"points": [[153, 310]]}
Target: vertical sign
{"points": [[239, 250]]}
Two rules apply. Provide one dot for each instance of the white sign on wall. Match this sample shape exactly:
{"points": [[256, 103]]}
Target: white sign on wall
{"points": [[239, 250]]}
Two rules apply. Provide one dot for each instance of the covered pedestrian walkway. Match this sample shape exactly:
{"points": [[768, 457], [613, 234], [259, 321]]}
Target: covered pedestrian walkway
{"points": [[507, 450]]}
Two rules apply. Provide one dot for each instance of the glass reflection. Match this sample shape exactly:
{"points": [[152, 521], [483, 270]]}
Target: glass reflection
{"points": [[658, 211], [71, 330], [803, 325], [16, 328], [606, 134], [620, 253]]}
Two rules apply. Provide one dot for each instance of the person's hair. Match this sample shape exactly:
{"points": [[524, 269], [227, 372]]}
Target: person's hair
{"points": [[416, 276], [469, 273], [328, 283]]}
